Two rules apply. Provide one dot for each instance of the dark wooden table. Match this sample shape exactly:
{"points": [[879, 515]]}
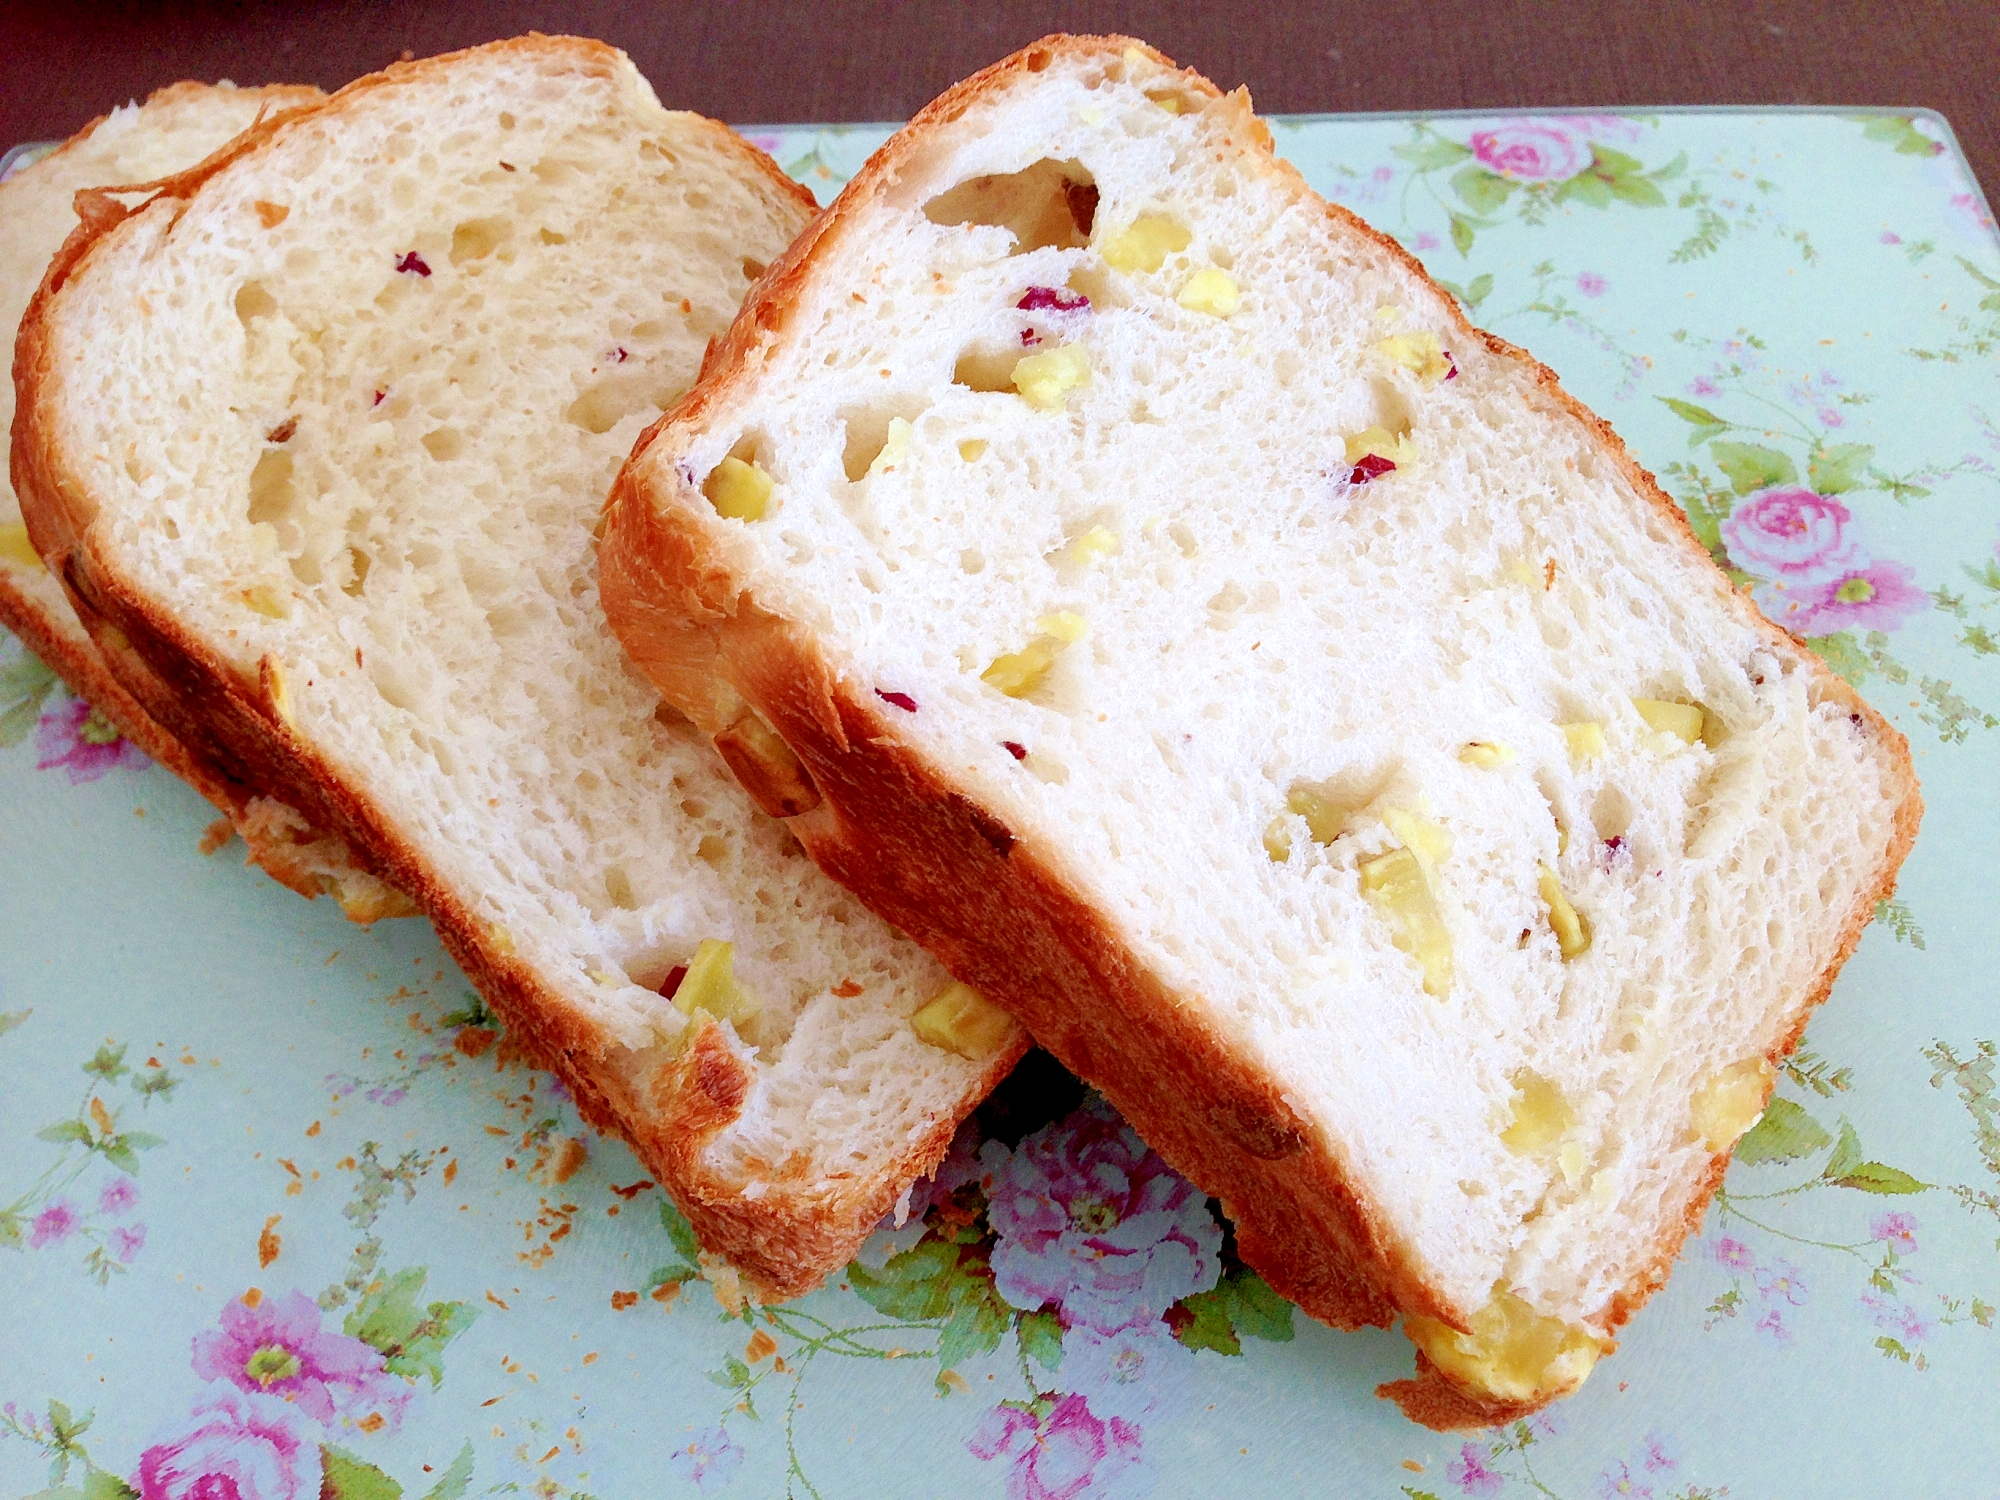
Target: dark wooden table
{"points": [[797, 60]]}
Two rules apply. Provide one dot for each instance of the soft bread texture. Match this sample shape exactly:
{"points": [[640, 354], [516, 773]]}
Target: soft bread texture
{"points": [[337, 491], [172, 132], [1233, 627]]}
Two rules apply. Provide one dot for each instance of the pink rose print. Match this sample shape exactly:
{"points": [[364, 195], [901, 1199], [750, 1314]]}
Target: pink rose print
{"points": [[53, 1224], [83, 743], [1898, 1231], [1774, 1329], [1899, 1317], [768, 144], [1062, 1451], [1780, 1282], [1790, 535], [1470, 1473], [127, 1243], [1090, 1218], [277, 1348], [236, 1448], [1590, 284], [1734, 1255], [1530, 151], [118, 1196], [1137, 1372], [709, 1459], [1880, 596], [1618, 1483], [1969, 205]]}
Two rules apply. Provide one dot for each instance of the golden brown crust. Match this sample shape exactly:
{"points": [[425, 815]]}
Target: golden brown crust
{"points": [[786, 1241], [897, 831]]}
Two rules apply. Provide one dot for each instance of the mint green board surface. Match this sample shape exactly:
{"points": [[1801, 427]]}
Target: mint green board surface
{"points": [[208, 1086]]}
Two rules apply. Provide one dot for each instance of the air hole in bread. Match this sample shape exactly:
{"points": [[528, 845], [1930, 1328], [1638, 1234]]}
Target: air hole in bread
{"points": [[1390, 411], [972, 560], [1719, 804], [506, 620], [444, 443], [752, 269], [1098, 284], [557, 171], [619, 393], [1046, 768], [868, 430], [986, 368], [618, 887], [439, 750], [1052, 203], [358, 563], [475, 239], [1546, 784], [274, 498], [1331, 803], [254, 300], [1611, 813], [391, 684]]}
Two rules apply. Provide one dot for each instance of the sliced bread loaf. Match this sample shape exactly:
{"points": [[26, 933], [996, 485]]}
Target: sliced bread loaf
{"points": [[170, 133], [1277, 693], [323, 433]]}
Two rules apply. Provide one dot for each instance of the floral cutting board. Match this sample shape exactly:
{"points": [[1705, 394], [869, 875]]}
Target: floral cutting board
{"points": [[281, 1216]]}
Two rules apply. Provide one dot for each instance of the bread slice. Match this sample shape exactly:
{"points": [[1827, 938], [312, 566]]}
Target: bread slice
{"points": [[140, 143], [337, 491], [1277, 693]]}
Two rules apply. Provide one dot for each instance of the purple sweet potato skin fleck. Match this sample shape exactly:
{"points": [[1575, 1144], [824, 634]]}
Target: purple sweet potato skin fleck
{"points": [[1052, 299]]}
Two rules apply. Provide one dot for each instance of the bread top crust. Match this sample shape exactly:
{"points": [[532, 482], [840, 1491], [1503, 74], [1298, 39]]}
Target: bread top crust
{"points": [[693, 1104], [694, 601]]}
